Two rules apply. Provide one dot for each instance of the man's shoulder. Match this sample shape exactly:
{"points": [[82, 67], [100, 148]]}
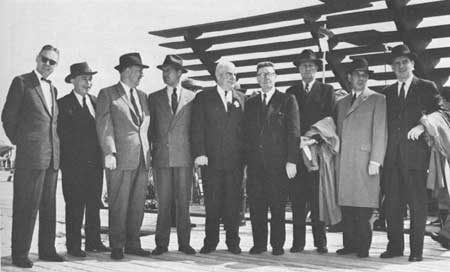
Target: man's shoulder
{"points": [[324, 86], [293, 88], [65, 99], [157, 93]]}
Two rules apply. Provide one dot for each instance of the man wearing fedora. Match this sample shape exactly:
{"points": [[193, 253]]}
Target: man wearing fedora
{"points": [[362, 129], [30, 118], [170, 111], [122, 119], [407, 155], [81, 162], [316, 101]]}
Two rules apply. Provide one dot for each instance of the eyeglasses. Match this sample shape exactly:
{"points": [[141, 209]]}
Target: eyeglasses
{"points": [[268, 74], [47, 60]]}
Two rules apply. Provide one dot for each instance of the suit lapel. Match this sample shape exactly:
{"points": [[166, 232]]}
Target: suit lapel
{"points": [[123, 96], [274, 104], [218, 100], [142, 100], [359, 100], [38, 89], [411, 90], [182, 101]]}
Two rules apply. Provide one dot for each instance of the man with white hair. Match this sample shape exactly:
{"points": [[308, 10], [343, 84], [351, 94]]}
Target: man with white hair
{"points": [[217, 146]]}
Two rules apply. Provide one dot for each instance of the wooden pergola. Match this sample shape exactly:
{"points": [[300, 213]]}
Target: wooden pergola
{"points": [[353, 29]]}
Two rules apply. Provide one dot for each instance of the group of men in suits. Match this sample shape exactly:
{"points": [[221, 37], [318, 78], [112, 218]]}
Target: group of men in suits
{"points": [[221, 131]]}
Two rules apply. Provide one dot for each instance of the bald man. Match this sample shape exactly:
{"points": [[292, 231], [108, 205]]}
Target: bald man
{"points": [[217, 146]]}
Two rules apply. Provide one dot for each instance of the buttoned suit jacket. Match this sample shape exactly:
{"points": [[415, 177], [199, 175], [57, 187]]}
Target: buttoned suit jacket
{"points": [[272, 140], [216, 133], [79, 142], [117, 132], [422, 98], [169, 133], [30, 124]]}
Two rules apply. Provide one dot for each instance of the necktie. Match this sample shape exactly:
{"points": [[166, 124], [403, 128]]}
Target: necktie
{"points": [[46, 80], [401, 97], [174, 100], [265, 105], [353, 98], [306, 87], [137, 116], [228, 101], [47, 92], [85, 107]]}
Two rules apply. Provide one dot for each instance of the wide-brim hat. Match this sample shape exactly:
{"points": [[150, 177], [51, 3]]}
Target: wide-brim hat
{"points": [[307, 55], [359, 64], [401, 50], [130, 59], [79, 69], [173, 60]]}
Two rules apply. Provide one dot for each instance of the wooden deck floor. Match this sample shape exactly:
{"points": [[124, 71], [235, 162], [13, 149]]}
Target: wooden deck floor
{"points": [[435, 258]]}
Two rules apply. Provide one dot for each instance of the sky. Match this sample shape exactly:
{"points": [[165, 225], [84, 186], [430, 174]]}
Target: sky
{"points": [[99, 31]]}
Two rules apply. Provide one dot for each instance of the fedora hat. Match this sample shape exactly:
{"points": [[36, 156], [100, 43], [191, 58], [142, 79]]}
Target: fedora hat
{"points": [[401, 50], [79, 69], [307, 55], [130, 59], [173, 60], [359, 64]]}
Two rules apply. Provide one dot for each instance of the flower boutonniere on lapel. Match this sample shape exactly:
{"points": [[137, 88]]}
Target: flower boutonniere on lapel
{"points": [[236, 104]]}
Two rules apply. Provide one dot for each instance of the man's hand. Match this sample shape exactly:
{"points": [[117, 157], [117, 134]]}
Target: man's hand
{"points": [[201, 161], [291, 169], [306, 141], [415, 132], [110, 162], [374, 168]]}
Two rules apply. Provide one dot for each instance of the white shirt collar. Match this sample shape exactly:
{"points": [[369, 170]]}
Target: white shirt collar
{"points": [[357, 93], [310, 85], [88, 102], [135, 95], [269, 95], [170, 91], [225, 98], [407, 85], [39, 76]]}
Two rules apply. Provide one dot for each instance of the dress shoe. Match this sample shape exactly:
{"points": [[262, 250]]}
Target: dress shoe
{"points": [[389, 254], [97, 248], [53, 257], [76, 252], [117, 253], [445, 243], [257, 250], [159, 250], [137, 251], [235, 249], [296, 249], [277, 251], [22, 262], [206, 249], [362, 254], [415, 258], [186, 250], [345, 251], [322, 250]]}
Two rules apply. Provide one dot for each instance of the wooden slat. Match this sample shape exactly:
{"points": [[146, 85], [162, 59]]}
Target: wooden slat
{"points": [[378, 16], [367, 37], [244, 36], [273, 17]]}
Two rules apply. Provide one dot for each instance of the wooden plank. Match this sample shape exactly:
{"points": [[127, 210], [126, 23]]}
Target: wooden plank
{"points": [[244, 36], [267, 18]]}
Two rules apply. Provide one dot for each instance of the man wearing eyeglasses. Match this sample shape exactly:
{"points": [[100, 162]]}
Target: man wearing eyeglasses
{"points": [[272, 137], [217, 146], [30, 119]]}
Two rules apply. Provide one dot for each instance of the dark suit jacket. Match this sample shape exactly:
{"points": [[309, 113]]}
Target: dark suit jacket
{"points": [[29, 125], [169, 133], [422, 98], [78, 135], [272, 140], [217, 133], [316, 105]]}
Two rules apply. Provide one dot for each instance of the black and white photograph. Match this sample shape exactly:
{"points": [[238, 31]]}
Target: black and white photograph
{"points": [[211, 135]]}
